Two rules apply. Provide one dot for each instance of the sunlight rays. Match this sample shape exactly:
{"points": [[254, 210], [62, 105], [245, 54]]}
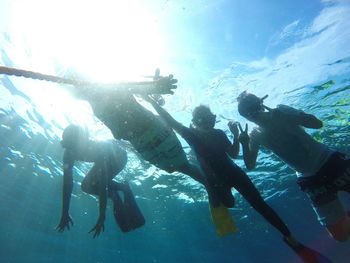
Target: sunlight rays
{"points": [[105, 40]]}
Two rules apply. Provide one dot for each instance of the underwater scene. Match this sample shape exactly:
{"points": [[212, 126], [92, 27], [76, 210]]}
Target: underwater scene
{"points": [[296, 52]]}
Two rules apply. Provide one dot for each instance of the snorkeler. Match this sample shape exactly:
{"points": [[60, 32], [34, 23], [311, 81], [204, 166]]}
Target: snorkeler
{"points": [[109, 160], [322, 172], [213, 151], [127, 119]]}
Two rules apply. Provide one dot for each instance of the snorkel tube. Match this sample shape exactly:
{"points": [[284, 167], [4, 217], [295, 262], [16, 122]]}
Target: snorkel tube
{"points": [[262, 103], [249, 105]]}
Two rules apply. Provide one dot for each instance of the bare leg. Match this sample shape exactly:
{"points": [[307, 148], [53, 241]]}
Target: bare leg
{"points": [[91, 182], [247, 189]]}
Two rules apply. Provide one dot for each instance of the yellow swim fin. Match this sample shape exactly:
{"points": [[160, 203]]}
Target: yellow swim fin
{"points": [[222, 220]]}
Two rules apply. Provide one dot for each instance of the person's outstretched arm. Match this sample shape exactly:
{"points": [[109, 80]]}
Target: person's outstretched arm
{"points": [[185, 133], [178, 127], [250, 150], [233, 150], [66, 220], [163, 85]]}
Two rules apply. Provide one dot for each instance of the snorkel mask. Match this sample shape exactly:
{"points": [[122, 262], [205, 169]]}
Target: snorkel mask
{"points": [[250, 105], [202, 117]]}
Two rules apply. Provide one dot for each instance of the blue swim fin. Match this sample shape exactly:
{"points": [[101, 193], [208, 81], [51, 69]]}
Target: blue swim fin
{"points": [[308, 255]]}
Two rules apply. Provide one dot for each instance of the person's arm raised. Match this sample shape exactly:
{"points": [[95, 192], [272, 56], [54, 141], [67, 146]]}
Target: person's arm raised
{"points": [[233, 150], [163, 85], [250, 152], [165, 115]]}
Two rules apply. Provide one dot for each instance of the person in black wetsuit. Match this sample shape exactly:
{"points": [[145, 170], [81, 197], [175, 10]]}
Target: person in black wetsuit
{"points": [[213, 148], [109, 160]]}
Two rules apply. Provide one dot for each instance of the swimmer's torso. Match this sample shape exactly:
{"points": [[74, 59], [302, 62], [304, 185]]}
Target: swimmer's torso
{"points": [[122, 114], [97, 151]]}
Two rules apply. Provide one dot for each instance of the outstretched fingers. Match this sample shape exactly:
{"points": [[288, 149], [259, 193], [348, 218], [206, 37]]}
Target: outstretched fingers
{"points": [[97, 229], [241, 129], [233, 126], [65, 223]]}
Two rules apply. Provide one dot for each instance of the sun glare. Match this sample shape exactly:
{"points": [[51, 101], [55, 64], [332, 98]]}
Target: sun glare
{"points": [[106, 40]]}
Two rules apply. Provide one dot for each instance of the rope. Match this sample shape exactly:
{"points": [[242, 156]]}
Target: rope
{"points": [[51, 78]]}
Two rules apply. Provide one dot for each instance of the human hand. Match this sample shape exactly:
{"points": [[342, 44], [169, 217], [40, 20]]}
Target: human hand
{"points": [[243, 137], [99, 227], [165, 85], [233, 126], [65, 222]]}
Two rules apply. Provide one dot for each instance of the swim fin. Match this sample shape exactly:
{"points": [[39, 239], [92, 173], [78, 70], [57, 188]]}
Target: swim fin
{"points": [[126, 212], [307, 254], [222, 220]]}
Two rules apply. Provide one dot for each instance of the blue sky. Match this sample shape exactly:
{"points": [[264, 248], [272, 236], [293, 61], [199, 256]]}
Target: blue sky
{"points": [[234, 30]]}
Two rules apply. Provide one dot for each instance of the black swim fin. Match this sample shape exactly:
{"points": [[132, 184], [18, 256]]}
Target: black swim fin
{"points": [[308, 255], [126, 212]]}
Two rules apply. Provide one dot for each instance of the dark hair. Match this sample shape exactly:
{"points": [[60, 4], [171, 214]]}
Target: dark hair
{"points": [[249, 104], [200, 114], [72, 134]]}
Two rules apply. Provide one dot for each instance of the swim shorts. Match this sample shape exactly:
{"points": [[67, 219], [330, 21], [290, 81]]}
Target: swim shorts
{"points": [[160, 146], [323, 187]]}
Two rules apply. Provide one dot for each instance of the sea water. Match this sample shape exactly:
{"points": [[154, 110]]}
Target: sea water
{"points": [[305, 64]]}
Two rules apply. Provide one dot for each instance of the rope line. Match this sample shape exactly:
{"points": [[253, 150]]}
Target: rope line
{"points": [[39, 76]]}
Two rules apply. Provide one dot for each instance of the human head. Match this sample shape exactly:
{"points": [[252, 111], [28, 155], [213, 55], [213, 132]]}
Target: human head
{"points": [[250, 105], [203, 118], [73, 136]]}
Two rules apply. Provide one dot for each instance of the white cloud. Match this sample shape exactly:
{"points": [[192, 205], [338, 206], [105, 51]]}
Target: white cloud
{"points": [[328, 17], [335, 1], [291, 30]]}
